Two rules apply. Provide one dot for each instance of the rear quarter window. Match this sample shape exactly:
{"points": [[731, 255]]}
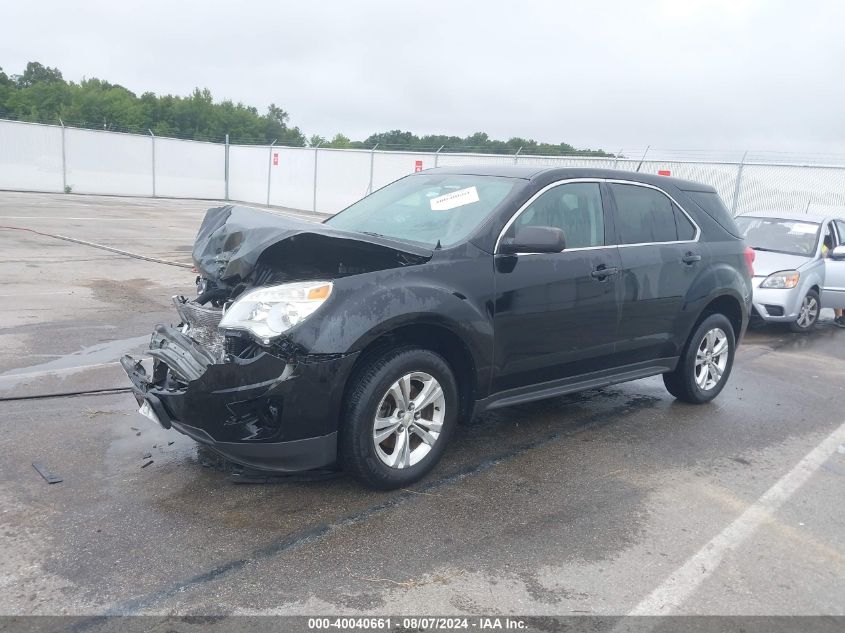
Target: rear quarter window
{"points": [[713, 206]]}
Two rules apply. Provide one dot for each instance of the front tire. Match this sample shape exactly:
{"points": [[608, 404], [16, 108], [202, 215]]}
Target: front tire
{"points": [[706, 363], [400, 412], [808, 314]]}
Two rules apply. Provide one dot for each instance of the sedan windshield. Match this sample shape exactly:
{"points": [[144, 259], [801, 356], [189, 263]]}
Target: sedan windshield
{"points": [[795, 237], [428, 209]]}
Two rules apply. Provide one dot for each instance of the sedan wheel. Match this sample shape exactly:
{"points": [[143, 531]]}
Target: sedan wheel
{"points": [[409, 420], [808, 313]]}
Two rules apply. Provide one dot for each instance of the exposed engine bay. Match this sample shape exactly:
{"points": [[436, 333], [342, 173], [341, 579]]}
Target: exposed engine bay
{"points": [[239, 249]]}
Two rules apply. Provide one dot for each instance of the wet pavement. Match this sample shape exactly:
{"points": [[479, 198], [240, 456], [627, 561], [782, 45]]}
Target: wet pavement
{"points": [[604, 502]]}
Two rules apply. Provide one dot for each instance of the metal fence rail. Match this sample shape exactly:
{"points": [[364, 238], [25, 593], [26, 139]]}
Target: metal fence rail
{"points": [[57, 158]]}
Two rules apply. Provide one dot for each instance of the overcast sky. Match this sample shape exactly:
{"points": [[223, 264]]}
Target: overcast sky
{"points": [[685, 74]]}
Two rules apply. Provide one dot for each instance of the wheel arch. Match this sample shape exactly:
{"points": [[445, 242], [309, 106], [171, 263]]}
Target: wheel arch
{"points": [[432, 336], [728, 305]]}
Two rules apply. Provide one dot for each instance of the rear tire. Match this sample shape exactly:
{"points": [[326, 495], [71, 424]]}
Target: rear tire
{"points": [[400, 413], [808, 314], [706, 363]]}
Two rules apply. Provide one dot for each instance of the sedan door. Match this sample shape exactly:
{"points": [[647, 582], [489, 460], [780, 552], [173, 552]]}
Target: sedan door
{"points": [[556, 314], [833, 292]]}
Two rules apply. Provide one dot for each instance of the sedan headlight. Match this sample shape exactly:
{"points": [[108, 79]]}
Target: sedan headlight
{"points": [[783, 279], [268, 312]]}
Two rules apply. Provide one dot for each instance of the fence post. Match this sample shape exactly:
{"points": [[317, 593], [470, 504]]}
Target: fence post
{"points": [[226, 168], [516, 156], [738, 182], [437, 154], [648, 147], [270, 168], [372, 156], [314, 201], [153, 138], [64, 159], [616, 159]]}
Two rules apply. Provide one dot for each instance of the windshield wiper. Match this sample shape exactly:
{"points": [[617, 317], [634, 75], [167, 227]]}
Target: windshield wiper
{"points": [[768, 250], [373, 233]]}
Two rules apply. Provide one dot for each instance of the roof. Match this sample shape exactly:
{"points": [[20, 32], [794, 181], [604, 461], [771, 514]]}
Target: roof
{"points": [[559, 173], [787, 215]]}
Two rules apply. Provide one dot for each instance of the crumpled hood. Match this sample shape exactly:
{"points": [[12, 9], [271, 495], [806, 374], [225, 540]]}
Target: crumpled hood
{"points": [[767, 262], [233, 238]]}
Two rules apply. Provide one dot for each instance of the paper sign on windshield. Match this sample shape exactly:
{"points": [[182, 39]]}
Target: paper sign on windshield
{"points": [[454, 199]]}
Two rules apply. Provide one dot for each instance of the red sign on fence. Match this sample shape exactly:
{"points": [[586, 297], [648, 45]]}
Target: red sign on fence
{"points": [[275, 158], [664, 172], [418, 165]]}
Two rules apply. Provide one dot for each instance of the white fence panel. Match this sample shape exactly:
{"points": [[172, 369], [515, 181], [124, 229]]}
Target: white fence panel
{"points": [[248, 173], [104, 162], [109, 163], [791, 188], [390, 166], [459, 160], [30, 157], [292, 180], [563, 161], [190, 169], [348, 171]]}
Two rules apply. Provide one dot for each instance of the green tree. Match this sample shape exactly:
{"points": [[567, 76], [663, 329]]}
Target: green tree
{"points": [[339, 141], [40, 93]]}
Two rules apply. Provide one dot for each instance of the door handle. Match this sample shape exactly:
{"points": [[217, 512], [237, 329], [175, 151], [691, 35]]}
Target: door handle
{"points": [[691, 258], [602, 272]]}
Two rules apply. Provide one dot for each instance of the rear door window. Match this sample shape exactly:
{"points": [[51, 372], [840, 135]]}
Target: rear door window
{"points": [[686, 229], [643, 215]]}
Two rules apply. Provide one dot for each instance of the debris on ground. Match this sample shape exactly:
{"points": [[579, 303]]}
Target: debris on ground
{"points": [[146, 455], [93, 413], [49, 477], [147, 464]]}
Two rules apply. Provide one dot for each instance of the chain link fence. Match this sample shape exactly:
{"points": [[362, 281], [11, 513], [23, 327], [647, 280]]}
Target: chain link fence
{"points": [[57, 158]]}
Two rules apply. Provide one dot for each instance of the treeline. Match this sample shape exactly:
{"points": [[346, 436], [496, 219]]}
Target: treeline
{"points": [[40, 94], [478, 142]]}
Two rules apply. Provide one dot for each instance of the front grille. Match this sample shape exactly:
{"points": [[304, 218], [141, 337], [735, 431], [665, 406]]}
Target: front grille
{"points": [[202, 324]]}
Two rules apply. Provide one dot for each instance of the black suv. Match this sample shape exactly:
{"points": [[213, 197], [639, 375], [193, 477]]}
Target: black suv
{"points": [[360, 342]]}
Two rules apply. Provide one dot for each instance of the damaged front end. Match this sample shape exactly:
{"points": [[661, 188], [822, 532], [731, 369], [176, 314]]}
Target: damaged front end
{"points": [[245, 385], [238, 397]]}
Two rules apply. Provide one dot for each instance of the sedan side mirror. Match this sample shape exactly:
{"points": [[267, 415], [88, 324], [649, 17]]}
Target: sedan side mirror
{"points": [[534, 239], [838, 252]]}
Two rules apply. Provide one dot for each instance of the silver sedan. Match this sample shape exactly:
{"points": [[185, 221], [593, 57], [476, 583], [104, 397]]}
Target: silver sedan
{"points": [[799, 266]]}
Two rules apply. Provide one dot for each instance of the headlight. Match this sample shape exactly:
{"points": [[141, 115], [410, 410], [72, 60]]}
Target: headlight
{"points": [[268, 312], [783, 279]]}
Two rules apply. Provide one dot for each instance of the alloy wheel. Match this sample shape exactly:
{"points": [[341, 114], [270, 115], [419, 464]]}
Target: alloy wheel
{"points": [[809, 312], [409, 420], [711, 359]]}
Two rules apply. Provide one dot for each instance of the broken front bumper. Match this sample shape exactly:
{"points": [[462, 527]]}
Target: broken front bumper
{"points": [[267, 411]]}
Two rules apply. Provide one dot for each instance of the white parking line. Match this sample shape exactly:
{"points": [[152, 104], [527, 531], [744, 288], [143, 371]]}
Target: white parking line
{"points": [[681, 584]]}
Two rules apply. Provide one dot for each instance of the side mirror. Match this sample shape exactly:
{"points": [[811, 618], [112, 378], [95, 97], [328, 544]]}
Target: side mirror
{"points": [[534, 239], [838, 252]]}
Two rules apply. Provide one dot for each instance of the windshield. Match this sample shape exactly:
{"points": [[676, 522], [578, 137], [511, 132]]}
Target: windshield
{"points": [[795, 237], [427, 209]]}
